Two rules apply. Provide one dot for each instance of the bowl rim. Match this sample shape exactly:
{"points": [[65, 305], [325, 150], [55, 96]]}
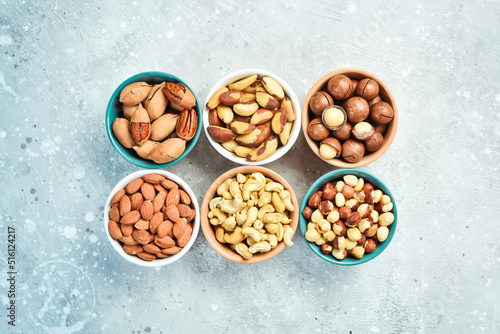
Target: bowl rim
{"points": [[209, 232], [336, 174], [369, 158], [282, 150], [119, 248], [129, 154]]}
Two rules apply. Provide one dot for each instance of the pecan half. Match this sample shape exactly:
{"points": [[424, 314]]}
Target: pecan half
{"points": [[140, 125], [174, 91], [186, 126]]}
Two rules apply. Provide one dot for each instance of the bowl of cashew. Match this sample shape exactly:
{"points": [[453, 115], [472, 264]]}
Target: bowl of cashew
{"points": [[249, 214]]}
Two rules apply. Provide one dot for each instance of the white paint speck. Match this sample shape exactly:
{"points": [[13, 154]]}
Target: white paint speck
{"points": [[48, 147], [93, 239], [170, 34], [69, 232], [352, 8], [3, 134], [123, 25], [89, 217], [497, 98], [79, 172], [5, 40], [29, 225]]}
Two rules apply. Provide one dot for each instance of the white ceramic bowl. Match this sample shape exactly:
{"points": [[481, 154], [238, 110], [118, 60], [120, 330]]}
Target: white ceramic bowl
{"points": [[157, 262], [235, 76]]}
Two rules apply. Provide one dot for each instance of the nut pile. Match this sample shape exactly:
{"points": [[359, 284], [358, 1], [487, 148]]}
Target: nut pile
{"points": [[251, 117], [151, 217], [349, 118], [251, 213], [158, 120], [348, 217]]}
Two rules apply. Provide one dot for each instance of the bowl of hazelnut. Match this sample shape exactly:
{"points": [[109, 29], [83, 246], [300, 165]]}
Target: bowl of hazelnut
{"points": [[348, 217], [349, 118]]}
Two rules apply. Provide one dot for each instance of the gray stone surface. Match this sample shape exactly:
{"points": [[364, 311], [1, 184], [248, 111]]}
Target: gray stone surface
{"points": [[61, 61]]}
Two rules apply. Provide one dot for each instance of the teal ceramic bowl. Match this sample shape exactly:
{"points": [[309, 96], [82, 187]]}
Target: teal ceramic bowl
{"points": [[114, 110], [336, 175]]}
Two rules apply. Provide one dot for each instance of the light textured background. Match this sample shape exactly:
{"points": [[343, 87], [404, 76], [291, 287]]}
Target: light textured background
{"points": [[61, 61]]}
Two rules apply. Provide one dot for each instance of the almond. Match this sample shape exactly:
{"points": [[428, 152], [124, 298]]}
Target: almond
{"points": [[147, 210], [128, 240], [146, 256], [153, 178], [155, 221], [117, 197], [180, 227], [169, 184], [184, 239], [184, 210], [171, 250], [191, 217], [161, 255], [164, 242], [134, 186], [173, 197], [141, 236], [136, 200], [158, 201], [133, 250], [151, 248], [159, 188], [165, 228], [172, 213], [127, 229], [114, 214], [131, 218], [114, 230], [125, 205], [148, 192], [185, 199], [141, 225]]}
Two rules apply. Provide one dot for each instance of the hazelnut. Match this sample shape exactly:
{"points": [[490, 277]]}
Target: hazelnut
{"points": [[344, 212], [357, 109], [340, 87], [354, 234], [323, 226], [326, 207], [358, 252], [367, 187], [369, 246], [364, 210], [362, 240], [381, 113], [319, 102], [327, 185], [344, 132], [386, 219], [374, 100], [333, 216], [353, 150], [334, 117], [339, 254], [348, 192], [364, 225], [367, 89], [317, 130], [353, 219], [380, 128], [360, 196], [350, 244], [372, 231], [374, 143], [326, 248], [352, 203], [363, 131], [339, 228], [329, 194], [307, 212], [339, 242], [314, 200], [382, 233], [316, 216], [330, 148], [374, 215]]}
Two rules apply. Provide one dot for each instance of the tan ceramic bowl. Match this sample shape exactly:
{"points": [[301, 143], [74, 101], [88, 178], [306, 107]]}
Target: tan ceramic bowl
{"points": [[208, 229], [385, 93]]}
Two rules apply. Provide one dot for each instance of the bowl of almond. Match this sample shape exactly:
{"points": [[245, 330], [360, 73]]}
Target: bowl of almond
{"points": [[151, 218]]}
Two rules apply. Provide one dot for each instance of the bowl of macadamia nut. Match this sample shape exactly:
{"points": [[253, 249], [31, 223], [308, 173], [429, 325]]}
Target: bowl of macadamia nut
{"points": [[249, 214], [348, 217], [153, 119], [252, 117], [349, 118]]}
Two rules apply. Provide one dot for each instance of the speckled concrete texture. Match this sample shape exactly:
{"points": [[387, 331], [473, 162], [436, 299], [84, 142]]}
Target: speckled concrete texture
{"points": [[61, 61]]}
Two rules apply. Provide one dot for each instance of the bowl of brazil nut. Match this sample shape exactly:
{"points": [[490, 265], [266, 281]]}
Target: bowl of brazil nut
{"points": [[252, 117], [348, 217], [153, 119], [249, 214], [349, 118], [151, 218]]}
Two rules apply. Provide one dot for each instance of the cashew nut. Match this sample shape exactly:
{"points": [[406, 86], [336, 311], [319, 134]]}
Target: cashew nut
{"points": [[234, 188], [281, 230], [214, 203], [261, 179], [285, 219], [258, 224], [272, 228], [227, 195], [241, 216], [274, 186], [241, 178], [221, 216], [261, 246], [264, 199], [215, 221], [265, 209], [251, 232], [250, 241], [232, 206], [224, 186], [272, 218], [287, 236], [219, 234], [250, 203], [273, 241], [242, 249], [287, 200], [254, 197], [229, 224], [277, 202], [251, 216], [234, 238]]}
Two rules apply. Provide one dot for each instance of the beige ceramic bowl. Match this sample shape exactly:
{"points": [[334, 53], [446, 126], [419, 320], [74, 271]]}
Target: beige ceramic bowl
{"points": [[385, 93], [208, 229]]}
